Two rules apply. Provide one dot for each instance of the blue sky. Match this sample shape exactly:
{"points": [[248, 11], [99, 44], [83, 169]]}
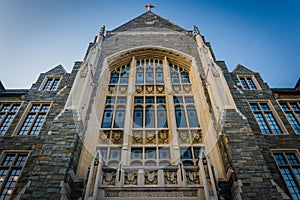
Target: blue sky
{"points": [[37, 35]]}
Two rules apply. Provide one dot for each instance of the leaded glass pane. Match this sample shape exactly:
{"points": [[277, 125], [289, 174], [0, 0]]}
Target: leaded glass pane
{"points": [[138, 117], [273, 123], [262, 123], [180, 117], [279, 158], [107, 117]]}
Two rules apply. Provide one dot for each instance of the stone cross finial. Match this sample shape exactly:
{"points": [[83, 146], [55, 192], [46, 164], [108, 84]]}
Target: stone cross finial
{"points": [[149, 6]]}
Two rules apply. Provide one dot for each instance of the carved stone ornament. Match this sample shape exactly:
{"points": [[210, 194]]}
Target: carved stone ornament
{"points": [[109, 177], [112, 88], [170, 177], [193, 177], [151, 176], [131, 178], [163, 137], [160, 88], [103, 136], [176, 88], [139, 88], [150, 138], [137, 137], [184, 137], [197, 136], [117, 136], [196, 30], [187, 88], [215, 71], [149, 89], [84, 72], [123, 89]]}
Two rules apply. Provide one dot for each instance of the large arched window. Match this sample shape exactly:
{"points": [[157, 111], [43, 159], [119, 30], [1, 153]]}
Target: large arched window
{"points": [[143, 96]]}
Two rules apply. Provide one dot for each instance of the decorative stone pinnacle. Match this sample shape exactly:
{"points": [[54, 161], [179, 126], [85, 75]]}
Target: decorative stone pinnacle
{"points": [[149, 6], [196, 30], [102, 30]]}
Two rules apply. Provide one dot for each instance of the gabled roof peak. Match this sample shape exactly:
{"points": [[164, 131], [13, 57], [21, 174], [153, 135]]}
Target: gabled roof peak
{"points": [[242, 69], [148, 21]]}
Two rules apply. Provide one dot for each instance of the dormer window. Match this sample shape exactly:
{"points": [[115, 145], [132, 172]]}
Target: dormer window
{"points": [[249, 83], [51, 83]]}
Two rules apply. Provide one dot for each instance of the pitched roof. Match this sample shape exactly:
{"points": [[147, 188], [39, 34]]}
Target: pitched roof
{"points": [[241, 69], [149, 21]]}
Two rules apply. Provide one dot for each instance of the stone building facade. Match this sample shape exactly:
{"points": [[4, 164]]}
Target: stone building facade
{"points": [[150, 113]]}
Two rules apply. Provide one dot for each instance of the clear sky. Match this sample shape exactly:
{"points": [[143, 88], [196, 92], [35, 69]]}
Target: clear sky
{"points": [[37, 35]]}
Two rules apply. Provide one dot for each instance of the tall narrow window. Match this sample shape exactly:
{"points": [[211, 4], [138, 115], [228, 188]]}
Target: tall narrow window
{"points": [[150, 117], [180, 117], [292, 112], [265, 118], [138, 117], [119, 118], [51, 84], [161, 117], [35, 119], [288, 164], [107, 117], [7, 114], [192, 116], [10, 170]]}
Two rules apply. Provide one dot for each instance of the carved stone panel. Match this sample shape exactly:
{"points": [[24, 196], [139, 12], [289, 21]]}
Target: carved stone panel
{"points": [[122, 89], [187, 88], [197, 137], [150, 137], [151, 178], [130, 178], [170, 177], [117, 137], [104, 137], [160, 89], [192, 177], [177, 89], [137, 137], [139, 88], [149, 89], [109, 177], [184, 137], [112, 89], [163, 137]]}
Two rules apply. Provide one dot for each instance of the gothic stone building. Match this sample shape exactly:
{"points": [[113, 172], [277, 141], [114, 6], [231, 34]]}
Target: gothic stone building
{"points": [[150, 113]]}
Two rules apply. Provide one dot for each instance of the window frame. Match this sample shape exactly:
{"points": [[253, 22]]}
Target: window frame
{"points": [[27, 113], [12, 166], [249, 86], [6, 113], [273, 112], [288, 165], [45, 81], [291, 110]]}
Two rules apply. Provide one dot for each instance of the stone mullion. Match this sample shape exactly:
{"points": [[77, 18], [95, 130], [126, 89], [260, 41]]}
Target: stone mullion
{"points": [[171, 117], [128, 113]]}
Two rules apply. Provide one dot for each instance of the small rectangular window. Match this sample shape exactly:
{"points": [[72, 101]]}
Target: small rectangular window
{"points": [[248, 82], [51, 83]]}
